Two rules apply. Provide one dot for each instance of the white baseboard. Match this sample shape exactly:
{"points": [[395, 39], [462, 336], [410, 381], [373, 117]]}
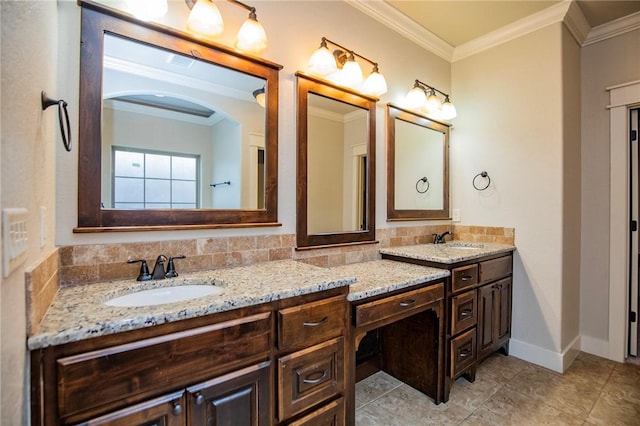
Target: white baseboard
{"points": [[555, 361], [595, 346]]}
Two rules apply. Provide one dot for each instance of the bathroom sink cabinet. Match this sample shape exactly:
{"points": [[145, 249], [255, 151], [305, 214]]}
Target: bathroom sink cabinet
{"points": [[277, 363], [478, 307]]}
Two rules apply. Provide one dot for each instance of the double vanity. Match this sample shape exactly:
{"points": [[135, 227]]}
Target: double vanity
{"points": [[282, 342]]}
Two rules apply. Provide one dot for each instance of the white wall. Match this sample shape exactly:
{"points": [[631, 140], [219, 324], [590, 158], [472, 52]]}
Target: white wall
{"points": [[509, 101], [30, 140], [604, 64]]}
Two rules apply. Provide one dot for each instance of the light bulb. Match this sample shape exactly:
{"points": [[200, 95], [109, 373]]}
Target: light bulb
{"points": [[147, 10], [205, 19], [251, 37], [351, 73], [375, 84], [415, 98], [448, 110], [322, 61]]}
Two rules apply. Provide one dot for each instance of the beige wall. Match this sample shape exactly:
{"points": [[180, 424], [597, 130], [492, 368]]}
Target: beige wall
{"points": [[509, 102], [604, 64], [29, 142]]}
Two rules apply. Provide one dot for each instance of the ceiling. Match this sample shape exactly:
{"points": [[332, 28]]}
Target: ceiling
{"points": [[459, 21]]}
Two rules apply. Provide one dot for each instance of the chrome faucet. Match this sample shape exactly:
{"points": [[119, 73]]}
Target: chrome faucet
{"points": [[439, 238]]}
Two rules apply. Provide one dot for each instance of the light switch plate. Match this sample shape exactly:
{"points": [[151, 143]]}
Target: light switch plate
{"points": [[14, 238], [455, 215]]}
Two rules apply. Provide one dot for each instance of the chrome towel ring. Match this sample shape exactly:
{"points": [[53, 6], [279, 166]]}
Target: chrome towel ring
{"points": [[62, 105], [425, 187], [486, 177]]}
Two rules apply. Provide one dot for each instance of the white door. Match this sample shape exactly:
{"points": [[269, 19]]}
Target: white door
{"points": [[635, 232]]}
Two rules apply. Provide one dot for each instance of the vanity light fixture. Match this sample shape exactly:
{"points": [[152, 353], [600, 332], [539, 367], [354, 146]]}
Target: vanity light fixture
{"points": [[425, 98], [259, 94], [147, 10], [341, 67], [205, 19]]}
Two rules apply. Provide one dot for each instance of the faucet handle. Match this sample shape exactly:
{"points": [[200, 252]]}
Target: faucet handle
{"points": [[144, 274], [171, 269]]}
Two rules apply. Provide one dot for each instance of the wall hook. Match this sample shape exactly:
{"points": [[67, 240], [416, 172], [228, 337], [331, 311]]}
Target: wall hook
{"points": [[484, 175], [62, 105]]}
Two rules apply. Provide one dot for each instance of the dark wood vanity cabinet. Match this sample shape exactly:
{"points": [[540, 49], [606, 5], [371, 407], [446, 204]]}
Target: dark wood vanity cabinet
{"points": [[494, 317], [252, 366]]}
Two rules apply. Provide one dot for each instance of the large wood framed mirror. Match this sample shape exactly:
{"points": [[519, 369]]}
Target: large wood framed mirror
{"points": [[171, 132], [335, 164], [417, 166]]}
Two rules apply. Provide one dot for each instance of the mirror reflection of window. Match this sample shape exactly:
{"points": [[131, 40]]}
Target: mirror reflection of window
{"points": [[154, 99], [336, 181], [418, 154]]}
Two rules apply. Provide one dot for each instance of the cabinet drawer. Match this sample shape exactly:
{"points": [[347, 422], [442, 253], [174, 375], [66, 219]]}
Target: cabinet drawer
{"points": [[463, 352], [304, 325], [495, 268], [466, 276], [464, 311], [397, 305], [309, 377], [127, 370], [331, 414]]}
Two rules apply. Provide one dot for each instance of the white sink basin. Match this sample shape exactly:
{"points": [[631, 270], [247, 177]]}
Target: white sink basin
{"points": [[461, 247], [158, 296]]}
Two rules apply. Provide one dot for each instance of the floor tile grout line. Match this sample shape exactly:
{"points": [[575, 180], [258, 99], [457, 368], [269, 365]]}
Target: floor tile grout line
{"points": [[599, 394]]}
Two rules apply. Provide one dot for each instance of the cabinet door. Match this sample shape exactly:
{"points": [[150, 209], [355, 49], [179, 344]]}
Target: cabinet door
{"points": [[486, 313], [241, 398], [503, 313], [164, 411]]}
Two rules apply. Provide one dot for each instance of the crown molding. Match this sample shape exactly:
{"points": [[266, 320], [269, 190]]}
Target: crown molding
{"points": [[613, 29], [400, 23], [577, 23], [545, 17]]}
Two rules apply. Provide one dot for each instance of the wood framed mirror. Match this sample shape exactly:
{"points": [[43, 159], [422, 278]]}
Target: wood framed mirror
{"points": [[417, 166], [171, 134], [335, 164]]}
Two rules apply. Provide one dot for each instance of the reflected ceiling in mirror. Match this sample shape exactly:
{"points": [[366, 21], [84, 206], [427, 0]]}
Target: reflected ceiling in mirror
{"points": [[169, 125], [417, 166], [336, 160]]}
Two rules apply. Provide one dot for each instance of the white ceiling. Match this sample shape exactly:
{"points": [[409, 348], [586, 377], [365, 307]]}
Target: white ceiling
{"points": [[457, 22]]}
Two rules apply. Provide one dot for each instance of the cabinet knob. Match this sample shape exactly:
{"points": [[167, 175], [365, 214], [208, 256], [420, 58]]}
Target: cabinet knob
{"points": [[199, 398], [177, 408]]}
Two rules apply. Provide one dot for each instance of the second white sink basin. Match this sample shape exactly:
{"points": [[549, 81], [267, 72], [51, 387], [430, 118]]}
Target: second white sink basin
{"points": [[465, 247], [159, 296]]}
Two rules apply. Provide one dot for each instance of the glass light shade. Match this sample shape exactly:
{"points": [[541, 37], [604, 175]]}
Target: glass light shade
{"points": [[448, 110], [375, 84], [260, 97], [433, 102], [205, 19], [322, 62], [351, 74], [147, 10], [415, 98], [251, 37]]}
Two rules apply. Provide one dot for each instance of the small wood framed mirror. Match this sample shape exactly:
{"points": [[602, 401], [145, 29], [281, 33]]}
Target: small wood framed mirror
{"points": [[335, 164], [417, 166]]}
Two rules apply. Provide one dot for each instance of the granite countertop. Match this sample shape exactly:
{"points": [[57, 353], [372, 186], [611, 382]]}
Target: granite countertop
{"points": [[383, 276], [451, 252], [79, 313]]}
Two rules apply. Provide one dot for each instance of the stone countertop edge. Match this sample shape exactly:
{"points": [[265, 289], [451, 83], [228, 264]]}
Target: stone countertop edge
{"points": [[383, 276], [448, 253], [79, 313]]}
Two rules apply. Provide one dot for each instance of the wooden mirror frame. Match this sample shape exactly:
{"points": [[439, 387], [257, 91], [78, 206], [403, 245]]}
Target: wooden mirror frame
{"points": [[394, 112], [310, 84], [98, 20]]}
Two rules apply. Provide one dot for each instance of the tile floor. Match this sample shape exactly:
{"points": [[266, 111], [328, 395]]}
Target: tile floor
{"points": [[509, 391]]}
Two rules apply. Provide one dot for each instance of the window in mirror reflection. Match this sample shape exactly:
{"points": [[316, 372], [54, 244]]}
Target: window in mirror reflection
{"points": [[157, 100], [337, 138]]}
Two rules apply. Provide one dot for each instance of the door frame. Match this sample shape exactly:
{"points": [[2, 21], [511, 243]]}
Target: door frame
{"points": [[621, 100]]}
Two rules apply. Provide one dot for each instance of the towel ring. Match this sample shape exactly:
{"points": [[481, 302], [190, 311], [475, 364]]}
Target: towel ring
{"points": [[425, 180], [483, 175], [62, 105]]}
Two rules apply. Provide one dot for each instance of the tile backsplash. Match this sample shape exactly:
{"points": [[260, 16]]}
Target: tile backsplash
{"points": [[41, 286], [84, 264]]}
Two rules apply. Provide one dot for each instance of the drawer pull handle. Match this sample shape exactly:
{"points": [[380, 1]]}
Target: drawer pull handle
{"points": [[466, 277], [465, 313], [199, 398], [318, 379], [177, 408], [315, 324], [407, 303], [464, 353]]}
